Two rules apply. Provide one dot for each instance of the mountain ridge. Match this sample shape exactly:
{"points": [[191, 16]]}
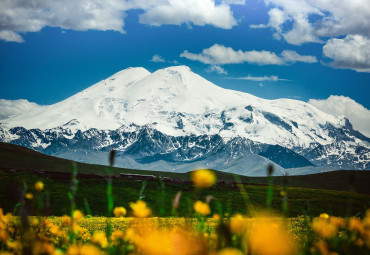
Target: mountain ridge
{"points": [[176, 104]]}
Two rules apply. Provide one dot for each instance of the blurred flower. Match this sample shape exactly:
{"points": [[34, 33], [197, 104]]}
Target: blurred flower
{"points": [[83, 250], [268, 236], [140, 209], [324, 216], [216, 217], [39, 185], [28, 196], [117, 234], [66, 220], [169, 242], [339, 222], [355, 224], [202, 208], [230, 251], [77, 215], [203, 178], [100, 239], [119, 211], [324, 228], [238, 224]]}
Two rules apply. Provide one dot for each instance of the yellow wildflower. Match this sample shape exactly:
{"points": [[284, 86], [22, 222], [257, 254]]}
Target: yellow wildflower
{"points": [[77, 215], [355, 224], [117, 234], [238, 224], [216, 217], [324, 228], [202, 208], [169, 242], [66, 220], [119, 211], [83, 250], [230, 251], [39, 185], [140, 209], [203, 178], [28, 196], [339, 222], [324, 216], [100, 239], [267, 237]]}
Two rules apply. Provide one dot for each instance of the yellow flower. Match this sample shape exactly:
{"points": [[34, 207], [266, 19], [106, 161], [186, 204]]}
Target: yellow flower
{"points": [[117, 234], [355, 224], [202, 208], [140, 209], [66, 220], [268, 237], [238, 224], [39, 185], [169, 242], [203, 178], [100, 239], [83, 250], [324, 216], [119, 211], [28, 196], [216, 217], [230, 251], [324, 228], [339, 222], [77, 215]]}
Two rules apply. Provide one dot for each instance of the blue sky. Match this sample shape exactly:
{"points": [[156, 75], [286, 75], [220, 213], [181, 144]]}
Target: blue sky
{"points": [[271, 49]]}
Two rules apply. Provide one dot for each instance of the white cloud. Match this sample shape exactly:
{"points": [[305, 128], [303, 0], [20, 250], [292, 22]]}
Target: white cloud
{"points": [[19, 16], [217, 69], [352, 52], [15, 107], [220, 55], [292, 56], [259, 78], [313, 19], [10, 36], [358, 115], [157, 58], [198, 12]]}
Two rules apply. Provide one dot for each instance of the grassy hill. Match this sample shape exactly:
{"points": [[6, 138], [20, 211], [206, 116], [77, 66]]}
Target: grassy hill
{"points": [[19, 166]]}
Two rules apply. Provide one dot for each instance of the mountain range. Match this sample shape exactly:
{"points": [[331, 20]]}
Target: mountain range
{"points": [[175, 120]]}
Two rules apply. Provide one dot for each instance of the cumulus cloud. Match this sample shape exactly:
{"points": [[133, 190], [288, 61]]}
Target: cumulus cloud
{"points": [[18, 16], [292, 57], [358, 115], [15, 107], [157, 58], [259, 78], [217, 69], [176, 12], [220, 55], [351, 52], [303, 21]]}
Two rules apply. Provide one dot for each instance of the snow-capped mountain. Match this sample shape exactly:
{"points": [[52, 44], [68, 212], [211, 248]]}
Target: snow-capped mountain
{"points": [[175, 120]]}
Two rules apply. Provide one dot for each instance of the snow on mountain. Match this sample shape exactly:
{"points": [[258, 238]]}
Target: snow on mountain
{"points": [[178, 102], [175, 120]]}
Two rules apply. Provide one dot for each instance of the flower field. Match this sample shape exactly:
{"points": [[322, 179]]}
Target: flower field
{"points": [[134, 228]]}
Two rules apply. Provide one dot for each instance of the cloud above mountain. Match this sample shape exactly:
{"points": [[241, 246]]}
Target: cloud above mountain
{"points": [[358, 115], [17, 17], [221, 55], [305, 21], [351, 52]]}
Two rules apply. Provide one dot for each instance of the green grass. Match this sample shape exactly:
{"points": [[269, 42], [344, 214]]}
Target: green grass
{"points": [[19, 165], [94, 191]]}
